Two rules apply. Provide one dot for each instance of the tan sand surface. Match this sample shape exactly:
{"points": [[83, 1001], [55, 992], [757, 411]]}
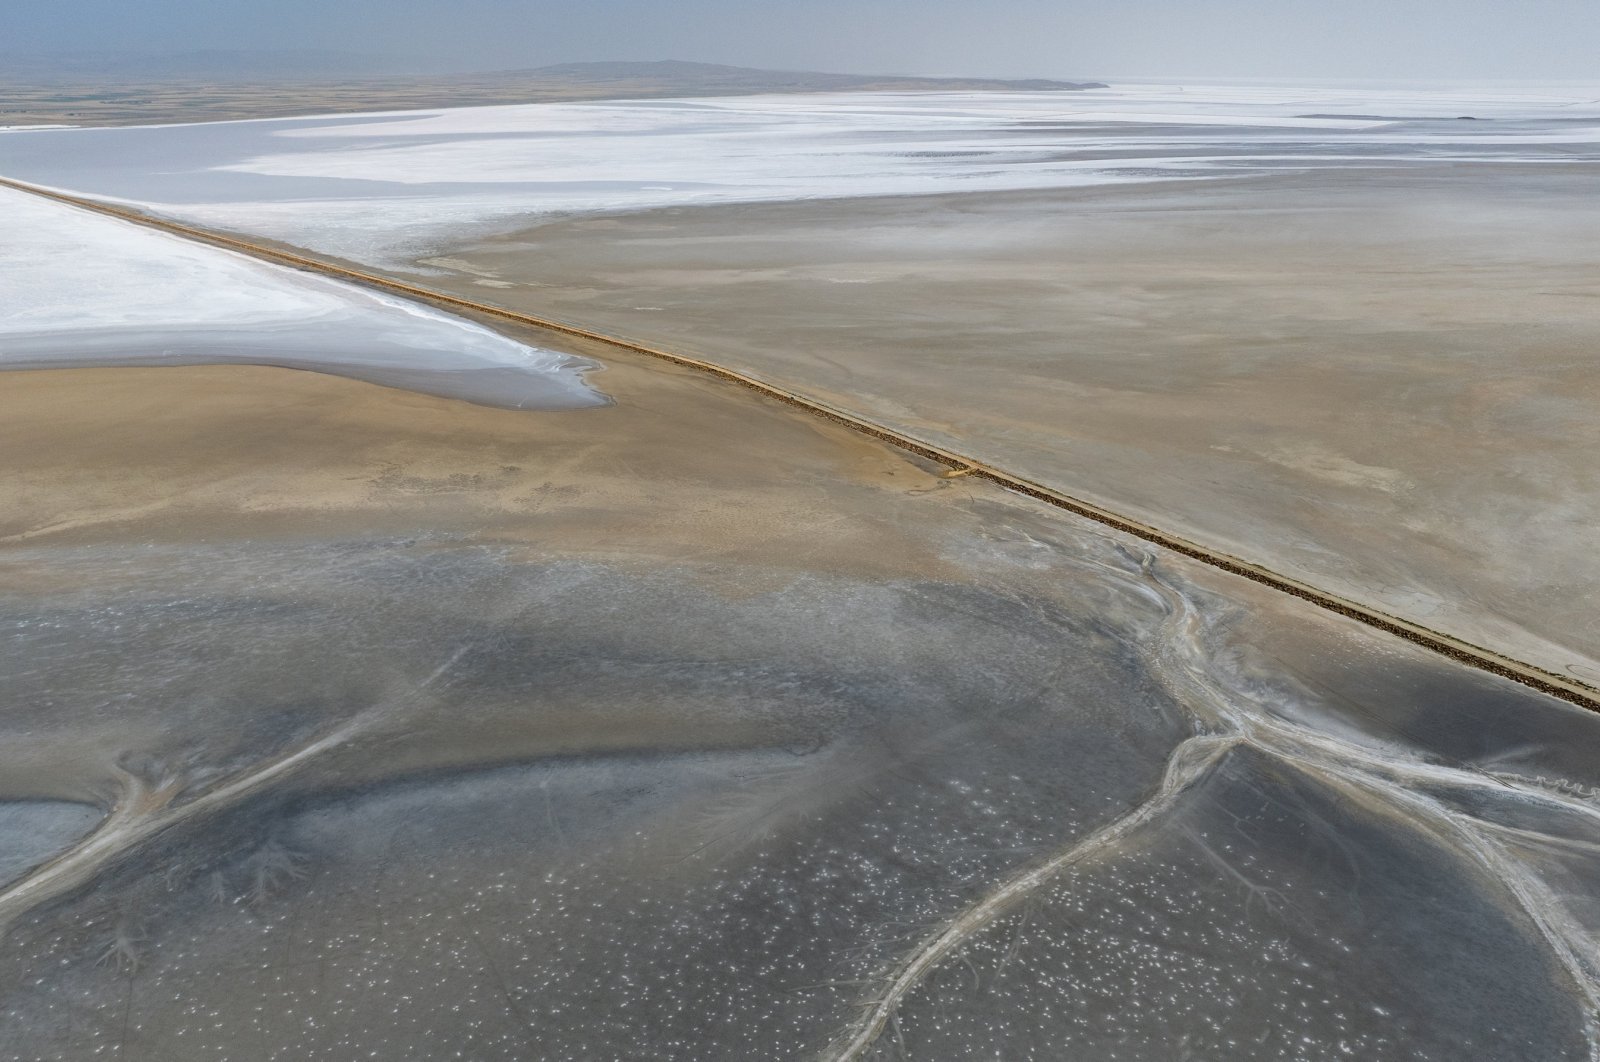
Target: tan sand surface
{"points": [[178, 453]]}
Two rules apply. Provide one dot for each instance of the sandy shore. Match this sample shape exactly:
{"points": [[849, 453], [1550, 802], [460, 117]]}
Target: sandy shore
{"points": [[1377, 381]]}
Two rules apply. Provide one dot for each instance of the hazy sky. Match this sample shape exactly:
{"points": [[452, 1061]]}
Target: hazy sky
{"points": [[1061, 38]]}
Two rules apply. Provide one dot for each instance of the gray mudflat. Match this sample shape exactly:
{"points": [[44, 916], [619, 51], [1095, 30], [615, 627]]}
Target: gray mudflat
{"points": [[675, 728], [1277, 915]]}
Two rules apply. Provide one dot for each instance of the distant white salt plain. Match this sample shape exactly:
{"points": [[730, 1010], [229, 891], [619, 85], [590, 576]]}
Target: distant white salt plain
{"points": [[80, 289], [390, 188]]}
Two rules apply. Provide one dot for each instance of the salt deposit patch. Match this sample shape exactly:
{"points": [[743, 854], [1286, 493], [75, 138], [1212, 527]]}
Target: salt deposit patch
{"points": [[78, 288], [389, 188]]}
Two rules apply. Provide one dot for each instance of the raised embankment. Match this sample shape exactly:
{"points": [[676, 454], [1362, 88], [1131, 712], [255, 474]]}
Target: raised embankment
{"points": [[1477, 656]]}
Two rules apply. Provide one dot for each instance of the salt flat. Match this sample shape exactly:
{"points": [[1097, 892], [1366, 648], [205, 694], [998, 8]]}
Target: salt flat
{"points": [[341, 720], [896, 269], [382, 187], [82, 289]]}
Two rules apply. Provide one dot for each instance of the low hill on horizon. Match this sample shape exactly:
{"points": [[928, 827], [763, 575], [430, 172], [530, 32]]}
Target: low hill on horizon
{"points": [[235, 66], [216, 64], [112, 89], [705, 76]]}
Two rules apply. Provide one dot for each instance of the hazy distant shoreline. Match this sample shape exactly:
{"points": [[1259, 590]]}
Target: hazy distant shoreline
{"points": [[209, 89]]}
